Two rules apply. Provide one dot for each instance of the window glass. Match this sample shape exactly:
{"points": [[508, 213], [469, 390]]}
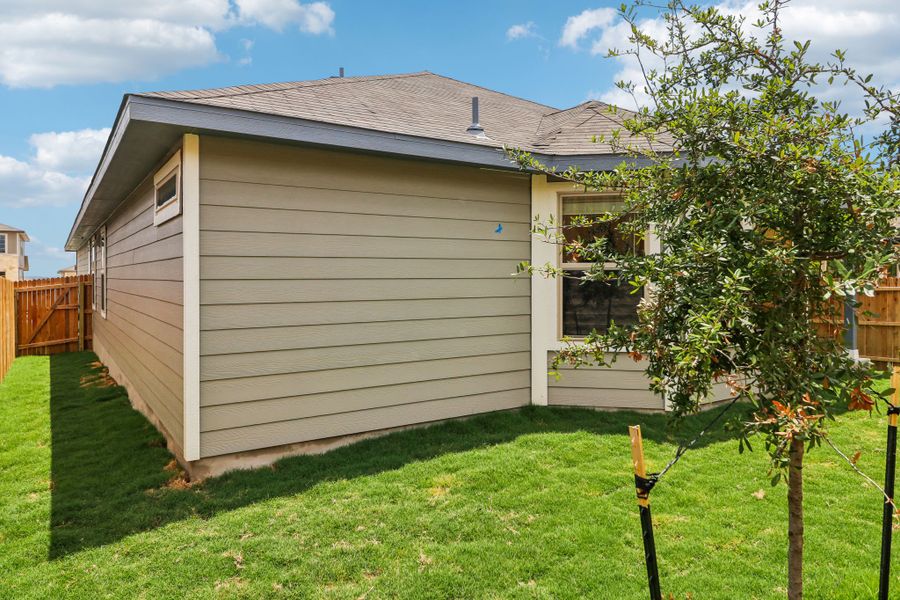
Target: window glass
{"points": [[594, 305], [590, 305], [167, 190], [580, 208], [2, 243]]}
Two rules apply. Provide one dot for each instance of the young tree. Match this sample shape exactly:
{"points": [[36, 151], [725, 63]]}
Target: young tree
{"points": [[770, 211]]}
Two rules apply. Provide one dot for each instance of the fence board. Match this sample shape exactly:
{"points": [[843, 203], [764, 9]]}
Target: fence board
{"points": [[48, 320], [7, 326]]}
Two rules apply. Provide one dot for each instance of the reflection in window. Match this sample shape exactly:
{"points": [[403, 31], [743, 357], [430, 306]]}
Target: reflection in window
{"points": [[593, 305]]}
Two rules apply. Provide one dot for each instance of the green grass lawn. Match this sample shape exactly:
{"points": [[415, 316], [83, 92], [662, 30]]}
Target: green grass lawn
{"points": [[536, 503]]}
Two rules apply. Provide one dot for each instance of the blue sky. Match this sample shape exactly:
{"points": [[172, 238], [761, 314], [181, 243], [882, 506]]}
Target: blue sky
{"points": [[65, 64]]}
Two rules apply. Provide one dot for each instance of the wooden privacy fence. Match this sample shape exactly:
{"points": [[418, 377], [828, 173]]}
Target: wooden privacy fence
{"points": [[878, 336], [53, 315], [878, 323], [7, 326]]}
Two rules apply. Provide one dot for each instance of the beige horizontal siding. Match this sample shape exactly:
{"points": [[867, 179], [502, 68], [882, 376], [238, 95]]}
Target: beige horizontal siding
{"points": [[247, 389], [229, 243], [323, 336], [242, 161], [350, 355], [344, 293], [282, 291], [299, 196], [143, 330], [227, 218], [83, 260], [277, 433], [623, 385], [227, 416], [238, 316]]}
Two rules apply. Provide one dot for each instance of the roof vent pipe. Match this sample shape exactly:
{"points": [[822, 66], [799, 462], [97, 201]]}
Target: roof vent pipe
{"points": [[475, 128], [341, 72]]}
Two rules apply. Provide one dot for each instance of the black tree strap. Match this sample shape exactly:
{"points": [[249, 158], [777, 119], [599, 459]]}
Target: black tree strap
{"points": [[644, 485], [893, 410], [684, 447]]}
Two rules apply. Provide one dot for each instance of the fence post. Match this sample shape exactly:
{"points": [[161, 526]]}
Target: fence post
{"points": [[643, 486], [80, 314], [851, 343], [890, 463]]}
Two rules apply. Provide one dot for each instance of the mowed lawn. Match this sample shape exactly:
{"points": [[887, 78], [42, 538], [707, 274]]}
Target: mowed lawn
{"points": [[536, 503]]}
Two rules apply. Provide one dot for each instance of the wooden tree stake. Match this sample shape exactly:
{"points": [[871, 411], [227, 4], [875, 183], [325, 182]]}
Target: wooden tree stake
{"points": [[642, 487]]}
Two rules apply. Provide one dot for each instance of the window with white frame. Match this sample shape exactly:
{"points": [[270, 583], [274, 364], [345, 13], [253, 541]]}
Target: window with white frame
{"points": [[98, 269], [167, 190], [2, 243], [592, 305]]}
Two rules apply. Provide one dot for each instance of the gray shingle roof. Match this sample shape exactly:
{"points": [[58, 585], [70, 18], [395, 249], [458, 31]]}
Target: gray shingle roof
{"points": [[421, 104], [10, 228]]}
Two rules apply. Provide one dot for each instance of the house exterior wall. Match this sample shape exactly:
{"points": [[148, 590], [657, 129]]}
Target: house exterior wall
{"points": [[140, 339], [82, 261], [624, 385], [344, 293]]}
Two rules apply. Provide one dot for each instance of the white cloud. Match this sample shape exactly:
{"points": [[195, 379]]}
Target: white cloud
{"points": [[865, 28], [44, 43], [26, 184], [315, 18], [57, 173], [582, 24], [523, 30], [69, 151], [205, 13]]}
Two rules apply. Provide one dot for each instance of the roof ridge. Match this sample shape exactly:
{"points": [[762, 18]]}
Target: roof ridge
{"points": [[487, 89], [287, 85]]}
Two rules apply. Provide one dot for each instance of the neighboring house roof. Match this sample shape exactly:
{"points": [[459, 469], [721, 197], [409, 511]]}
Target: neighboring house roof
{"points": [[10, 229], [420, 115]]}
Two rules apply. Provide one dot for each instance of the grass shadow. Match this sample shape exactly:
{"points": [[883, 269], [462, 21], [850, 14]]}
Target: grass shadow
{"points": [[109, 464]]}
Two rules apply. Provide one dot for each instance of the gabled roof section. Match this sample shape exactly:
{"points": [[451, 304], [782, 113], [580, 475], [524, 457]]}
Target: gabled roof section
{"points": [[587, 129], [419, 104]]}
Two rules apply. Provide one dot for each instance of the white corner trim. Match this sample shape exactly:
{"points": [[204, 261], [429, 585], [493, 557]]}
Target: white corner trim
{"points": [[544, 302], [190, 208]]}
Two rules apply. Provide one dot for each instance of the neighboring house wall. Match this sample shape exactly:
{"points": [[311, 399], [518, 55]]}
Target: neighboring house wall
{"points": [[344, 293], [141, 338], [11, 262]]}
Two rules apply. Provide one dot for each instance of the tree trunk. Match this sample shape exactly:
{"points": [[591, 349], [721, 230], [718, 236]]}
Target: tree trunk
{"points": [[795, 521]]}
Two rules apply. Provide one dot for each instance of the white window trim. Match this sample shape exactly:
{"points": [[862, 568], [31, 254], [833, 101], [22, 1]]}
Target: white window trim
{"points": [[92, 269], [97, 253], [171, 208], [581, 266]]}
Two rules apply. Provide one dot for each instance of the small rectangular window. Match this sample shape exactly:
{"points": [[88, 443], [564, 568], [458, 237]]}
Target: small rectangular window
{"points": [[2, 243], [97, 258], [167, 190], [593, 305]]}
